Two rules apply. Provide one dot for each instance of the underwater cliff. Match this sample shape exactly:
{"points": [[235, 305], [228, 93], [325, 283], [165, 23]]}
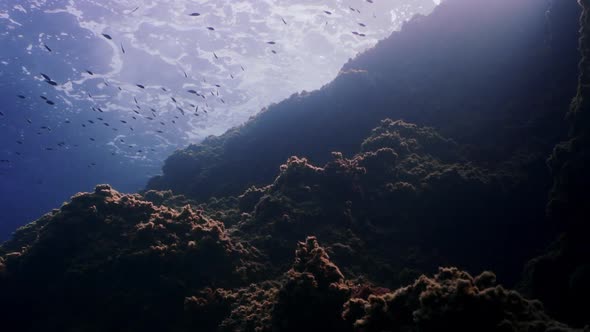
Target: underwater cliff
{"points": [[437, 184]]}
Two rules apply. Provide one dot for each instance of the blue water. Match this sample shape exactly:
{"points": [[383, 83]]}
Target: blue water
{"points": [[36, 179]]}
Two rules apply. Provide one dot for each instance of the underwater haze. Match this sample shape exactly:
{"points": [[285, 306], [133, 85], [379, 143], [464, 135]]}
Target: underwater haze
{"points": [[50, 148]]}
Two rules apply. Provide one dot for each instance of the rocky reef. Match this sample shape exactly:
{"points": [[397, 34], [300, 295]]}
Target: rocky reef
{"points": [[328, 212]]}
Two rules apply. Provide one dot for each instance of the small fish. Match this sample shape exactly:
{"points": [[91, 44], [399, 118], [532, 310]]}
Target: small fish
{"points": [[122, 48], [284, 21], [92, 139], [107, 36], [100, 119], [159, 131], [242, 68], [21, 96], [216, 57], [140, 86], [133, 11], [173, 99], [217, 85], [1, 114], [185, 74], [19, 142], [232, 76], [50, 102], [91, 121], [274, 52], [195, 14], [328, 12], [271, 43], [149, 118], [100, 110], [135, 100], [211, 28], [29, 121], [89, 72], [47, 48], [106, 124], [123, 121], [43, 97], [67, 121], [192, 91], [362, 24], [49, 149]]}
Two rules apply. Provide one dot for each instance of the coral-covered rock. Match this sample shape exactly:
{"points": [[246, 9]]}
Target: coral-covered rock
{"points": [[452, 300], [312, 297], [249, 199], [105, 259], [412, 210]]}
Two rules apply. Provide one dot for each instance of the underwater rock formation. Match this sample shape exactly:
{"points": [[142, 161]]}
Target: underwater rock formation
{"points": [[312, 297], [461, 181], [408, 201], [108, 261], [452, 300], [561, 277]]}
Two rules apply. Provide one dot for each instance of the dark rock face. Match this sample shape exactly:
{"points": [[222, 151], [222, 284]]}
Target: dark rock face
{"points": [[561, 277]]}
